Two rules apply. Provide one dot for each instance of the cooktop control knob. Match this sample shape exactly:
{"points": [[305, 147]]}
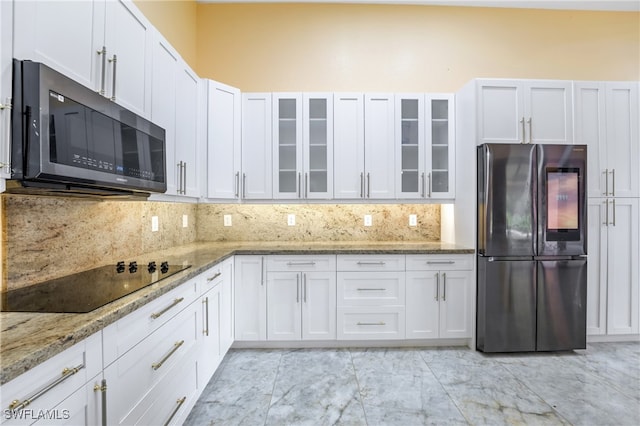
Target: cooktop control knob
{"points": [[164, 267], [152, 267], [133, 267], [120, 267]]}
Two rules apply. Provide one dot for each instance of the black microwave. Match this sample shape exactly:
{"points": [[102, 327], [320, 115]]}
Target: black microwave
{"points": [[68, 139]]}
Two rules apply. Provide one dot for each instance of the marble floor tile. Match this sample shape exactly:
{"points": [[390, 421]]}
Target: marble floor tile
{"points": [[443, 386]]}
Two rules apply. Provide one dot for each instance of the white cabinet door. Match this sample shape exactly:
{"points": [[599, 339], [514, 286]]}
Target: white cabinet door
{"points": [[318, 305], [250, 298], [287, 145], [548, 111], [129, 38], [590, 127], [597, 267], [6, 54], [317, 145], [256, 178], [186, 154], [455, 304], [223, 141], [525, 111], [209, 353], [622, 143], [163, 105], [379, 151], [226, 307], [622, 266], [422, 308], [440, 147], [68, 36], [410, 146], [284, 296], [348, 133]]}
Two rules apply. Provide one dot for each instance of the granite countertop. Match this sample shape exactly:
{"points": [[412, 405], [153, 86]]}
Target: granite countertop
{"points": [[28, 339]]}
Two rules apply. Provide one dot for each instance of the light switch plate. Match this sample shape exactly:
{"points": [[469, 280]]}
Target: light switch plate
{"points": [[368, 220], [413, 220], [185, 220], [291, 219], [154, 224], [227, 220]]}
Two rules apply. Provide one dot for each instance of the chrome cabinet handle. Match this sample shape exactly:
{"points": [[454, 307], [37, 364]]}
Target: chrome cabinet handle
{"points": [[306, 185], [237, 185], [613, 182], [361, 185], [297, 288], [17, 405], [205, 330], [606, 182], [305, 287], [114, 60], [244, 185], [424, 184], [103, 52], [530, 130], [614, 212], [262, 271], [164, 359], [184, 179], [360, 262], [180, 401], [440, 262], [162, 312], [216, 275], [371, 289], [368, 185], [444, 287], [311, 263], [437, 286], [523, 132], [179, 183], [606, 212], [299, 187], [372, 323], [429, 186]]}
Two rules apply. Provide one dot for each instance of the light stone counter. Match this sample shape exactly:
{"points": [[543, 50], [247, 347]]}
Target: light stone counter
{"points": [[28, 339]]}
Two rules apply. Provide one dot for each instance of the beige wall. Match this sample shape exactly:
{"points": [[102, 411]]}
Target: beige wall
{"points": [[343, 47], [176, 20]]}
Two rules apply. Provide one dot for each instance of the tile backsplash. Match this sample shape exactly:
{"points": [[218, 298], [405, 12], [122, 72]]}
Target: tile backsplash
{"points": [[48, 237]]}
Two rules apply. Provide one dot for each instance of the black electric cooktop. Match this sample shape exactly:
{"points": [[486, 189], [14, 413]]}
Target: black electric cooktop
{"points": [[88, 290]]}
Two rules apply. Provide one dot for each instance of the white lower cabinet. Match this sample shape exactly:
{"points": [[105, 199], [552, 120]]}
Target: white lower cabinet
{"points": [[438, 296], [250, 301], [60, 389], [301, 298], [370, 297]]}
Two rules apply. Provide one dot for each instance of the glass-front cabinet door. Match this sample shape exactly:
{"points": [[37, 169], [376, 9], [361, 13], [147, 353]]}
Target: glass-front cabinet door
{"points": [[410, 156], [440, 146], [287, 140], [317, 180]]}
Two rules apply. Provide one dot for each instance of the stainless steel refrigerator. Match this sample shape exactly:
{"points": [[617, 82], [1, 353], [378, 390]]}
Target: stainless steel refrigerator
{"points": [[532, 246]]}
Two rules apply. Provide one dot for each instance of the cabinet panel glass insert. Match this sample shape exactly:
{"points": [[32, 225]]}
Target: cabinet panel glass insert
{"points": [[410, 145], [288, 181], [440, 132], [440, 145], [318, 150], [287, 158], [440, 109], [287, 146], [440, 160], [440, 181]]}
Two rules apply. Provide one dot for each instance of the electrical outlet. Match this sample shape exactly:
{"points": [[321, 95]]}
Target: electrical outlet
{"points": [[185, 220], [368, 221], [154, 224], [227, 220], [291, 219], [413, 220]]}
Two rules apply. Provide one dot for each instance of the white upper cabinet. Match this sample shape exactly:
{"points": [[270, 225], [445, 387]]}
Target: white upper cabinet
{"points": [[6, 53], [256, 180], [186, 148], [379, 149], [525, 111], [606, 117], [104, 45], [223, 141], [425, 146], [303, 145], [348, 134]]}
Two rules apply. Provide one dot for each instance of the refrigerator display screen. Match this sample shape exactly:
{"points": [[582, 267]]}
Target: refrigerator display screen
{"points": [[563, 201]]}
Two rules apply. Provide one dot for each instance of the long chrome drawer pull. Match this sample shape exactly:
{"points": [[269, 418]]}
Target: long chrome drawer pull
{"points": [[216, 275], [175, 302], [176, 345], [440, 262], [301, 263], [16, 404], [370, 263], [372, 323], [180, 401], [371, 289]]}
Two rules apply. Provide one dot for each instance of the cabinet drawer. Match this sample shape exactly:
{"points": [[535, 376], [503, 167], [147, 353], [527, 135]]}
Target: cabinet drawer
{"points": [[371, 262], [301, 263], [439, 262], [131, 377], [212, 277], [125, 333], [84, 358], [371, 323], [371, 289]]}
